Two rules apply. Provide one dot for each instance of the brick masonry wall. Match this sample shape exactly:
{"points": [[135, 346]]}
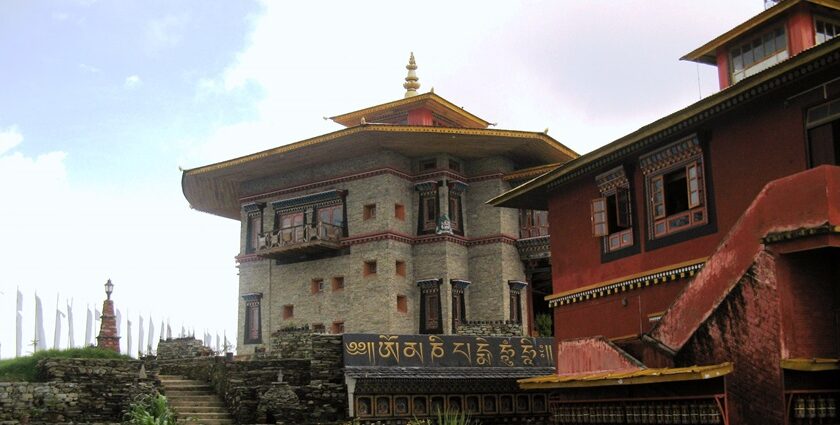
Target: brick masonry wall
{"points": [[77, 390], [490, 328], [488, 266], [745, 330]]}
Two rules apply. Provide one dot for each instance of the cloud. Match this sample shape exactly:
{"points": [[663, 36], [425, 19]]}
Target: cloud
{"points": [[9, 138], [164, 32], [89, 68], [132, 81]]}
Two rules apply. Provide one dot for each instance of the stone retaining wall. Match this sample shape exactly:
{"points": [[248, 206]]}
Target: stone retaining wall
{"points": [[77, 390], [490, 328], [300, 382]]}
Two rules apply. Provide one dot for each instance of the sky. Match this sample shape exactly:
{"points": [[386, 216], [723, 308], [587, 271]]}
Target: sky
{"points": [[103, 102]]}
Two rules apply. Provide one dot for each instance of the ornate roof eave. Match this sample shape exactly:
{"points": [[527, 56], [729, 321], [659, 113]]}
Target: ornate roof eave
{"points": [[221, 180], [707, 52], [428, 100], [533, 193]]}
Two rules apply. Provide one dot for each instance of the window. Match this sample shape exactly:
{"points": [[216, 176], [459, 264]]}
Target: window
{"points": [[253, 324], [288, 311], [369, 268], [427, 164], [533, 223], [675, 187], [454, 165], [402, 304], [758, 54], [456, 210], [430, 308], [399, 211], [459, 307], [337, 283], [253, 226], [338, 327], [317, 286], [428, 207], [823, 124], [825, 30], [291, 229], [318, 328], [611, 214], [515, 288], [254, 230], [400, 268], [369, 212]]}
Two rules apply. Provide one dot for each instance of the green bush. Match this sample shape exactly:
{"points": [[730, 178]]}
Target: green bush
{"points": [[24, 368], [150, 410], [543, 322]]}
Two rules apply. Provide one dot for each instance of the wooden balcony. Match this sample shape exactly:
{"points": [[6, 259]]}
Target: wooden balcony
{"points": [[300, 240]]}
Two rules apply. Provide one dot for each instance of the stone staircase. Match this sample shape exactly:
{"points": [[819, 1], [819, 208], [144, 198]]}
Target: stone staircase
{"points": [[194, 401]]}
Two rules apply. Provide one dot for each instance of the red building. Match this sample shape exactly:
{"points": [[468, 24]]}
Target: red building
{"points": [[710, 237]]}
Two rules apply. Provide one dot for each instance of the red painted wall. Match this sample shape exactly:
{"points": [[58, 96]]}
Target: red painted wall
{"points": [[800, 27], [810, 301], [745, 330], [723, 67], [420, 117], [743, 152]]}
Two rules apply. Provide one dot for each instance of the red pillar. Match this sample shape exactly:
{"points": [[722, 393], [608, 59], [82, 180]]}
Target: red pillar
{"points": [[108, 338]]}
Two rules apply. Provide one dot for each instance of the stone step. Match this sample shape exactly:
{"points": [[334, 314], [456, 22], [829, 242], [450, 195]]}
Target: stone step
{"points": [[203, 415], [169, 393], [189, 410], [206, 421]]}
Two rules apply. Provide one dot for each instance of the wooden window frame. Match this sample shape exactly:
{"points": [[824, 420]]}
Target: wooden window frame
{"points": [[402, 304], [369, 268], [337, 283], [288, 311], [369, 212], [818, 19], [252, 232], [662, 222], [428, 164], [399, 211], [317, 286], [533, 223], [253, 313], [337, 327], [399, 268], [427, 220]]}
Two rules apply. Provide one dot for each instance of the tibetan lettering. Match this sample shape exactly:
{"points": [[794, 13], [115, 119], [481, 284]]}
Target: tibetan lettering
{"points": [[446, 351]]}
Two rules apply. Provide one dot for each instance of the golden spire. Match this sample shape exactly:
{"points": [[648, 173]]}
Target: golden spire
{"points": [[411, 85]]}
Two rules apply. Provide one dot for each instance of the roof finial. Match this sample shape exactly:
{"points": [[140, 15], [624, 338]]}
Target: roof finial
{"points": [[411, 85]]}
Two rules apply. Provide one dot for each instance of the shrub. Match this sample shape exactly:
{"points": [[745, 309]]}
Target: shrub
{"points": [[447, 417], [24, 368], [150, 410]]}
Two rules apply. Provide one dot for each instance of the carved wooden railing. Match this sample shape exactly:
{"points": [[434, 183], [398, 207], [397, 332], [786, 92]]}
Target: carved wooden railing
{"points": [[300, 234]]}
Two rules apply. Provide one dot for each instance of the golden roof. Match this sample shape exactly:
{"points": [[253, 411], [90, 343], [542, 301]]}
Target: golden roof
{"points": [[811, 365], [632, 377], [430, 101], [215, 188]]}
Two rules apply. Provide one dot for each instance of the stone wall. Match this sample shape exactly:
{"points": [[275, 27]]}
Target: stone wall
{"points": [[301, 382], [76, 390], [490, 328], [178, 348]]}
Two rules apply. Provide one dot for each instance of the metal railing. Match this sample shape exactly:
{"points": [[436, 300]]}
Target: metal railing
{"points": [[300, 234]]}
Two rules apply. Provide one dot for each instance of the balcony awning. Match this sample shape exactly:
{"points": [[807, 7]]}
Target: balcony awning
{"points": [[635, 377]]}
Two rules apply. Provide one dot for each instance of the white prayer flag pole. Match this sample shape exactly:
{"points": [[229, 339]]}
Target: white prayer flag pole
{"points": [[151, 340], [71, 339], [140, 338], [19, 325], [88, 327], [128, 336], [39, 343], [57, 332]]}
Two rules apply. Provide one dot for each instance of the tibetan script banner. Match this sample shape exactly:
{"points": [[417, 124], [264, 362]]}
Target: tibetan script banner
{"points": [[446, 351]]}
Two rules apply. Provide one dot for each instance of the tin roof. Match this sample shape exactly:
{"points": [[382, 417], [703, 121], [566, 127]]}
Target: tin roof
{"points": [[635, 377]]}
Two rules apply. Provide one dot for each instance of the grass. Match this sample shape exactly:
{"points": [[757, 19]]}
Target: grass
{"points": [[24, 368]]}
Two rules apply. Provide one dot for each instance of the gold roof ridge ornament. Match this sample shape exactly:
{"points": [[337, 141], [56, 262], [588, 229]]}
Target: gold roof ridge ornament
{"points": [[411, 85]]}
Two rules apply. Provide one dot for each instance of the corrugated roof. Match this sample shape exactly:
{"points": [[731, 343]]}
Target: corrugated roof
{"points": [[811, 365], [634, 377]]}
